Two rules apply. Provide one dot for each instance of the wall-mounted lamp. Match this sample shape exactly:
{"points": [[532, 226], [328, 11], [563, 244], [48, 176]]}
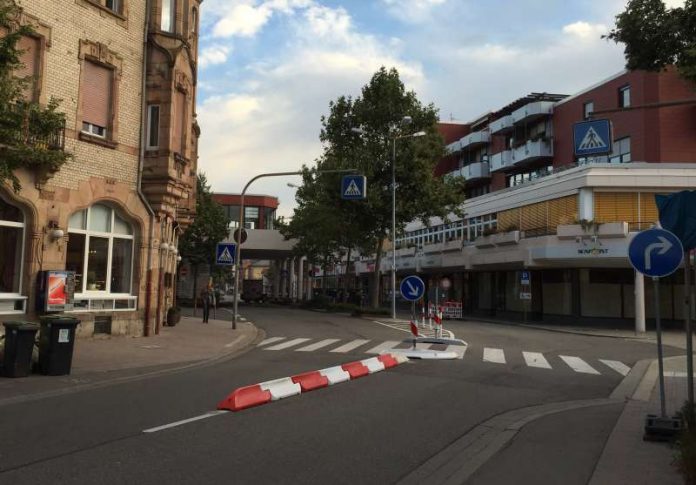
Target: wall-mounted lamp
{"points": [[178, 258], [57, 233], [164, 246]]}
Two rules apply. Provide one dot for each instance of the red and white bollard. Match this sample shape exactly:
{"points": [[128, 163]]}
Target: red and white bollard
{"points": [[422, 321], [438, 322]]}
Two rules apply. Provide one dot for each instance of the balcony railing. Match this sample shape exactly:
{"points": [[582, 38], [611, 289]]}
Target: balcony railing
{"points": [[531, 111], [501, 125], [532, 150], [501, 161], [476, 171], [29, 125], [475, 139]]}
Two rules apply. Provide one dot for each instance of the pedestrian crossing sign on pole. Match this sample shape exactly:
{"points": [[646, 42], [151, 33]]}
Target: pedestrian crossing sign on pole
{"points": [[592, 138], [224, 254], [353, 187]]}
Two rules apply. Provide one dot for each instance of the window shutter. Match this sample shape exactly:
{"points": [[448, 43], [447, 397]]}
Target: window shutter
{"points": [[96, 94]]}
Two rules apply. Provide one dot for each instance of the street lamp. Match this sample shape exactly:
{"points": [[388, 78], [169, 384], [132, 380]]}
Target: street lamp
{"points": [[406, 120]]}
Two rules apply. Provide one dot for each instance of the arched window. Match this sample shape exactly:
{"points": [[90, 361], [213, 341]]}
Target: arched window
{"points": [[11, 257], [100, 251]]}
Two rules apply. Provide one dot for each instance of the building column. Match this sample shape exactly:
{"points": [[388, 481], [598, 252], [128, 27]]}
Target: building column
{"points": [[301, 278], [276, 279], [639, 293], [586, 204], [283, 277], [293, 279]]}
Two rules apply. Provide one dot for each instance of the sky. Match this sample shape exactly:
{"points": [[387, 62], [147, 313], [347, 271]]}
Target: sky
{"points": [[269, 68]]}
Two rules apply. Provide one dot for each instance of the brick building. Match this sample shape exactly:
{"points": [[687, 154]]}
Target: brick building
{"points": [[532, 206], [125, 71]]}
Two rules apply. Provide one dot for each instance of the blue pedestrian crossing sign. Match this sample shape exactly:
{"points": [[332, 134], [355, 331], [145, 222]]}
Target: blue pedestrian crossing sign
{"points": [[412, 288], [353, 187], [655, 252], [225, 253], [592, 138]]}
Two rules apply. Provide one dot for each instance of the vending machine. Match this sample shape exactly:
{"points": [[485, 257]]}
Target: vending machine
{"points": [[56, 290]]}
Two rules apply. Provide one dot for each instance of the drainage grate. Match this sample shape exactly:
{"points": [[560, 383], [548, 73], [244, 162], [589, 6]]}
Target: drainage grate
{"points": [[102, 325]]}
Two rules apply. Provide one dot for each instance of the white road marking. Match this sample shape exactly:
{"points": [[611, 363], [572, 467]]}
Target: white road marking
{"points": [[388, 345], [288, 344], [318, 345], [350, 346], [184, 421], [619, 367], [496, 356], [536, 359], [270, 341], [460, 350], [233, 342], [578, 365]]}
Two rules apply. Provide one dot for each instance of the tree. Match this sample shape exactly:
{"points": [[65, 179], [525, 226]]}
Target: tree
{"points": [[656, 36], [322, 217], [31, 136], [210, 226]]}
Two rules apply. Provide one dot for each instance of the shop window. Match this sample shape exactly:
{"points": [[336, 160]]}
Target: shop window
{"points": [[11, 248], [625, 96], [100, 251], [96, 99]]}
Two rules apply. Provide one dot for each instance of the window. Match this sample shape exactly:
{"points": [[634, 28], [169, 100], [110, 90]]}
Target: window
{"points": [[11, 249], [115, 6], [96, 99], [621, 151], [179, 123], [251, 213], [153, 115], [587, 109], [31, 61], [194, 21], [100, 251], [625, 96], [168, 15]]}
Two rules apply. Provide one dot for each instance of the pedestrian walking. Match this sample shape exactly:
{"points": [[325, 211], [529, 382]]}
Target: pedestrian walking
{"points": [[208, 300]]}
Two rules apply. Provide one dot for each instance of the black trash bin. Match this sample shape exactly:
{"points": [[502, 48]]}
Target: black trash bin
{"points": [[56, 344], [19, 344]]}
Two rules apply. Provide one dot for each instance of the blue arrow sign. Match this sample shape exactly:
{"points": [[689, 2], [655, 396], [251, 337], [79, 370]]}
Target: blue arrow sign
{"points": [[224, 254], [592, 138], [412, 288], [655, 252], [353, 187]]}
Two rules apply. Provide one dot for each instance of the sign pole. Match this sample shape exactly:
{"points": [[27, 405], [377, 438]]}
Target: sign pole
{"points": [[689, 349], [658, 331]]}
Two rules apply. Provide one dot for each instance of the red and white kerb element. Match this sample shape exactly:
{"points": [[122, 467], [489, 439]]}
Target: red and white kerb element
{"points": [[257, 394]]}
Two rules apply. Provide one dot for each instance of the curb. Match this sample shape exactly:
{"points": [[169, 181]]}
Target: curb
{"points": [[231, 354], [276, 389]]}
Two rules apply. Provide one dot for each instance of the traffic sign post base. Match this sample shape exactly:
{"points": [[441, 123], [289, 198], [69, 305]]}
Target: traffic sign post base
{"points": [[659, 428], [438, 340], [425, 354]]}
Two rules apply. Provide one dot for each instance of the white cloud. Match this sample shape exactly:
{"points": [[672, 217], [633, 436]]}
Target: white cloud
{"points": [[585, 30], [214, 54], [412, 11], [243, 20]]}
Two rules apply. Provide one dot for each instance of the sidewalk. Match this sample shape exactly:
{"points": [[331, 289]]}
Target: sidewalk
{"points": [[100, 361]]}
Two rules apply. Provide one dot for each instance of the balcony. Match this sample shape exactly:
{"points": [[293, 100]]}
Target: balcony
{"points": [[532, 111], [531, 151], [501, 125], [476, 171], [501, 161], [475, 139], [34, 127]]}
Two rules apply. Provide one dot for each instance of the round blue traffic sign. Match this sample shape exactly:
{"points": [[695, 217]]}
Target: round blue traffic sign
{"points": [[655, 252], [412, 288]]}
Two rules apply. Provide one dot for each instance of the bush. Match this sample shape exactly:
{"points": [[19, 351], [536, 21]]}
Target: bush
{"points": [[686, 445]]}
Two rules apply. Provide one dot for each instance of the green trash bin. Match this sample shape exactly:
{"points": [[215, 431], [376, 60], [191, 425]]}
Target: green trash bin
{"points": [[56, 344], [19, 344]]}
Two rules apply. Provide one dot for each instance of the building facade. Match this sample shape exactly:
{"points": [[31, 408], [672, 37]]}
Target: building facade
{"points": [[125, 72], [533, 207]]}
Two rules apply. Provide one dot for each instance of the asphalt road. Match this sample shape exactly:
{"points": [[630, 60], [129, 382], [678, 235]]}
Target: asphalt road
{"points": [[373, 430]]}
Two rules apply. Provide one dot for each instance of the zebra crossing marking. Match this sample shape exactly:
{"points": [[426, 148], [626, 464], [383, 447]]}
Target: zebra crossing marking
{"points": [[318, 345], [536, 359], [350, 346], [497, 356], [619, 367], [388, 345], [579, 365], [288, 344], [270, 341]]}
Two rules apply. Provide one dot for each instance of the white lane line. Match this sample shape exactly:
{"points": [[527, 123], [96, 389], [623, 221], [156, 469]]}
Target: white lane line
{"points": [[318, 345], [350, 346], [288, 344], [578, 365], [233, 342], [460, 350], [618, 366], [388, 345], [184, 421], [536, 359], [270, 341], [496, 356]]}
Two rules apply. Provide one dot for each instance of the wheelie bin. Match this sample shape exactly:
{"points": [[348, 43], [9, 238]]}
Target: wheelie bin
{"points": [[56, 344], [19, 344]]}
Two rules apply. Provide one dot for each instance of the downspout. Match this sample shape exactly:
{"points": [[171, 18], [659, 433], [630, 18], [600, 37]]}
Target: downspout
{"points": [[141, 162]]}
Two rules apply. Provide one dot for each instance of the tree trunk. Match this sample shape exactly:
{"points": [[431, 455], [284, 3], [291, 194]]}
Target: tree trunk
{"points": [[374, 296]]}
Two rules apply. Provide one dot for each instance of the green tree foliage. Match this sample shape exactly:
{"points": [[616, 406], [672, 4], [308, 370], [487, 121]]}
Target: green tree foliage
{"points": [[210, 226], [656, 36], [30, 135], [323, 222]]}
